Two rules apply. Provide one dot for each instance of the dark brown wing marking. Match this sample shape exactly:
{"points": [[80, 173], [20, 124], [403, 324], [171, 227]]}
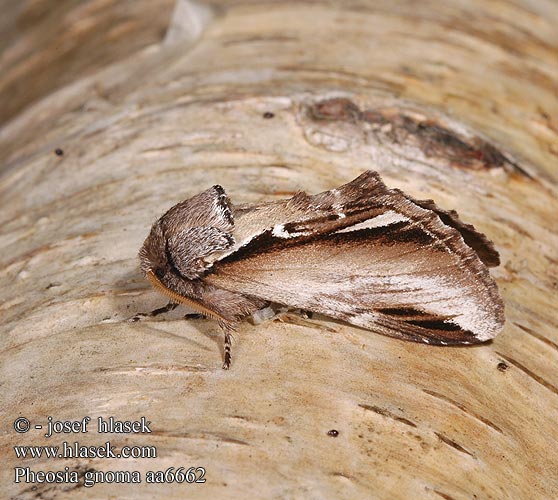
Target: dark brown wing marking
{"points": [[473, 238]]}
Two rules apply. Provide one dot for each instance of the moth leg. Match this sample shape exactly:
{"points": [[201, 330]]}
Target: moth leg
{"points": [[228, 330], [227, 363]]}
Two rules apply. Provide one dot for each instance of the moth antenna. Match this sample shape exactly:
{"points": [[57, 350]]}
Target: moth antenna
{"points": [[176, 297]]}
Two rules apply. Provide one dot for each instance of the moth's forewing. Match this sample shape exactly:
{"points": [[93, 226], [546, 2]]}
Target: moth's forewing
{"points": [[373, 257], [482, 246]]}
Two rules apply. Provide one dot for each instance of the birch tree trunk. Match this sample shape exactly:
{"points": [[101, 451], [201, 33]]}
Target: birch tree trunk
{"points": [[455, 101]]}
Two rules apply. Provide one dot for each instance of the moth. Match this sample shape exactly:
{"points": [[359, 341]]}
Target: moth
{"points": [[362, 253]]}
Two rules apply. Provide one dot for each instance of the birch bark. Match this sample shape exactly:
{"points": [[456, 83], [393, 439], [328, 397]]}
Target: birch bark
{"points": [[455, 101]]}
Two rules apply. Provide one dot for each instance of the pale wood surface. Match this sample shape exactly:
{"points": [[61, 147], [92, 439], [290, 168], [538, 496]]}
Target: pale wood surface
{"points": [[45, 44], [174, 118]]}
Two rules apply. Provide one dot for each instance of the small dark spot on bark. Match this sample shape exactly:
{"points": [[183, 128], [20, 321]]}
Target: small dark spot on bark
{"points": [[59, 152], [51, 285], [268, 115], [502, 366], [333, 433]]}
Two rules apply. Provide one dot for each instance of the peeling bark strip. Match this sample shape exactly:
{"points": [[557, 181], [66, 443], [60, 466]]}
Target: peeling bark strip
{"points": [[388, 414], [453, 444], [464, 409], [445, 496], [405, 131], [536, 335]]}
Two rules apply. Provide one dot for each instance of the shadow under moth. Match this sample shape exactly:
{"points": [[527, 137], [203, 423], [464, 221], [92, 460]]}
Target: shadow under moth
{"points": [[362, 253]]}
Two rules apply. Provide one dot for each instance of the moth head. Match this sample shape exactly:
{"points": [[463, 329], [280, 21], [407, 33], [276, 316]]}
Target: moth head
{"points": [[184, 240], [153, 256]]}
